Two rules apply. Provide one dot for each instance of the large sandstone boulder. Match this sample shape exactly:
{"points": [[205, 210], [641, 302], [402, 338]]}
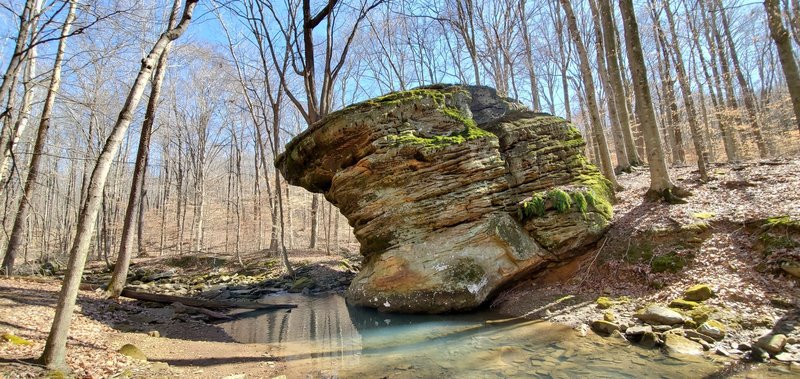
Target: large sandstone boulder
{"points": [[452, 191]]}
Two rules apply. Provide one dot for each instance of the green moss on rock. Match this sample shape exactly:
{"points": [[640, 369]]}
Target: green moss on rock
{"points": [[700, 314], [562, 201], [683, 304], [698, 292], [703, 215], [132, 351], [604, 302], [469, 133], [466, 271]]}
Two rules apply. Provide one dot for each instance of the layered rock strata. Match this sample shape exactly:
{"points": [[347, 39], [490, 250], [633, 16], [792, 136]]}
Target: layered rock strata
{"points": [[452, 191]]}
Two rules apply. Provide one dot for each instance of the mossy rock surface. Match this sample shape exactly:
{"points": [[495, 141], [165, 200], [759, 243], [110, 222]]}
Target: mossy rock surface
{"points": [[15, 340], [132, 351], [683, 304], [605, 302], [700, 313], [714, 329], [699, 292]]}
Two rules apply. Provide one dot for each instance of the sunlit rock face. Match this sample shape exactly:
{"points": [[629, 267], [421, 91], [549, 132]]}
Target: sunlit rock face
{"points": [[452, 191]]}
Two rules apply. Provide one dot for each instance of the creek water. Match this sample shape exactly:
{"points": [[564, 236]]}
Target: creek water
{"points": [[324, 337]]}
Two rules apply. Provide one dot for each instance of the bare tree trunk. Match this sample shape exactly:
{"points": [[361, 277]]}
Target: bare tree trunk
{"points": [[289, 218], [747, 92], [688, 102], [528, 49], [18, 232], [784, 45], [729, 133], [180, 211], [591, 102], [673, 122], [564, 63], [312, 244], [623, 164], [118, 278], [239, 197], [21, 124], [55, 348], [615, 78], [164, 197], [660, 183], [10, 76]]}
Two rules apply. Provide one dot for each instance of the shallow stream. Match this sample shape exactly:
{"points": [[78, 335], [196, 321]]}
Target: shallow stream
{"points": [[323, 337]]}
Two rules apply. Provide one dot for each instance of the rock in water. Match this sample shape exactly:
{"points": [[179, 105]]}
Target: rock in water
{"points": [[677, 345], [452, 191], [772, 343]]}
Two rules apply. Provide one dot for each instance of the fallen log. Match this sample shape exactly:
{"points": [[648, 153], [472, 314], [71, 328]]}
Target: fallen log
{"points": [[190, 301], [181, 308], [200, 303]]}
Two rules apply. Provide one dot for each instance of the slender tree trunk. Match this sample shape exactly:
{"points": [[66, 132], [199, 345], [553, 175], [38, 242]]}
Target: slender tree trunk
{"points": [[673, 123], [21, 124], [12, 71], [289, 218], [279, 191], [623, 164], [784, 45], [591, 102], [564, 62], [135, 198], [615, 79], [312, 244], [660, 183], [747, 92], [528, 50], [164, 198], [18, 232], [55, 348], [727, 120], [688, 102]]}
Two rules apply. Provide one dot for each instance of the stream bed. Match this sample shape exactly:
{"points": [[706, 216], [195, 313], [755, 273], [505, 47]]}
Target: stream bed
{"points": [[324, 337]]}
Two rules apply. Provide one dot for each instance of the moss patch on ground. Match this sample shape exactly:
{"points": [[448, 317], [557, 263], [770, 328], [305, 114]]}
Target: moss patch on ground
{"points": [[14, 340], [605, 302], [672, 262]]}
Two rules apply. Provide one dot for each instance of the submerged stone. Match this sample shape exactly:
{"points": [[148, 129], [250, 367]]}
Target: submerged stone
{"points": [[452, 191], [676, 345]]}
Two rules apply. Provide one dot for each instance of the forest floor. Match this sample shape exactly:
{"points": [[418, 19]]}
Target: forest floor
{"points": [[187, 345], [732, 234], [738, 233]]}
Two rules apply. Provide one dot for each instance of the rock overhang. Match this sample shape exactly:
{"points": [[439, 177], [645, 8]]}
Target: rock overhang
{"points": [[452, 191]]}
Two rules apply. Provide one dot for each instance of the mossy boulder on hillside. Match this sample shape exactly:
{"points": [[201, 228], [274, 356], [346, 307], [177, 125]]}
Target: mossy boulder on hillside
{"points": [[699, 292], [452, 191], [132, 351]]}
